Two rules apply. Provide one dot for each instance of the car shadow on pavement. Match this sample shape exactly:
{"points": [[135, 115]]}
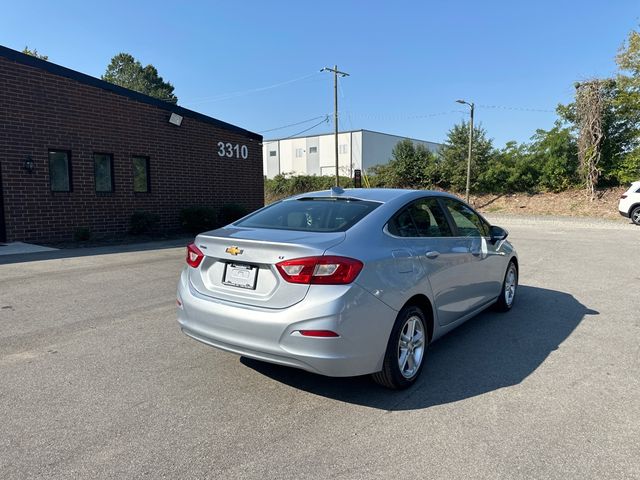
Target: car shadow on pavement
{"points": [[490, 351]]}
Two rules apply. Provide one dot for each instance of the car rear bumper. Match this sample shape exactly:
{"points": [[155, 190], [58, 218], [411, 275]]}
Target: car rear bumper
{"points": [[362, 322]]}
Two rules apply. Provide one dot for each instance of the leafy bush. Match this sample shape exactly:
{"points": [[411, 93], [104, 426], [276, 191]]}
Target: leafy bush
{"points": [[142, 222], [556, 152], [497, 177], [196, 219], [81, 234], [548, 163], [411, 166], [231, 212], [280, 186], [629, 170]]}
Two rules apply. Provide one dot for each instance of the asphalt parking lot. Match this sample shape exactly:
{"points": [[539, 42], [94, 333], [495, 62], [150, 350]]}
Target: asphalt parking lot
{"points": [[96, 380]]}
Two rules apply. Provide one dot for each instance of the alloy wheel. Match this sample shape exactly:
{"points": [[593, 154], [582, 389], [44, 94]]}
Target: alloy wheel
{"points": [[510, 284], [411, 346]]}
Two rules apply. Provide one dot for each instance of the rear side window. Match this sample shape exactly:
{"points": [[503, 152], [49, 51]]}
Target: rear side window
{"points": [[311, 215], [423, 218]]}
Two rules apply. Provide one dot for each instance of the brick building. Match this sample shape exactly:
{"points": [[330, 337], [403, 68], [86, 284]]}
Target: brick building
{"points": [[76, 151]]}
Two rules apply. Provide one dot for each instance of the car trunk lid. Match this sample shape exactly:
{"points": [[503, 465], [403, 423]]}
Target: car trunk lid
{"points": [[239, 264]]}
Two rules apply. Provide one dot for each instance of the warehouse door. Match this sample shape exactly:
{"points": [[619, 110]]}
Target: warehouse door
{"points": [[3, 230]]}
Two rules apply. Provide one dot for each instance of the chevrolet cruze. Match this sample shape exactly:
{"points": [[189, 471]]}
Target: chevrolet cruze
{"points": [[346, 282]]}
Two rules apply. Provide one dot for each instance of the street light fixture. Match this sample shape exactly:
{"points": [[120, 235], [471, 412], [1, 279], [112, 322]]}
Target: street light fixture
{"points": [[471, 106]]}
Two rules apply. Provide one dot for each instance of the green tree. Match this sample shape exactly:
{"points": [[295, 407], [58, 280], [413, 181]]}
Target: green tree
{"points": [[126, 71], [452, 172], [626, 105], [548, 163], [555, 152], [34, 53], [502, 171], [411, 166], [620, 161], [628, 79]]}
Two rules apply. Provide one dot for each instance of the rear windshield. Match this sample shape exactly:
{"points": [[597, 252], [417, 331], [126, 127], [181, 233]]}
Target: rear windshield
{"points": [[311, 215]]}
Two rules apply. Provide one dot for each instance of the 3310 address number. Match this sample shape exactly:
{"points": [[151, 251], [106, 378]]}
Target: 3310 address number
{"points": [[231, 150]]}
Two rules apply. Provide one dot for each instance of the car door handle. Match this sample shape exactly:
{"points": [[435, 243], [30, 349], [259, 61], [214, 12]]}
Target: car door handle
{"points": [[432, 254]]}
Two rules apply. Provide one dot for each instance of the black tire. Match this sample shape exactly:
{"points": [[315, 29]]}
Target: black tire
{"points": [[503, 304], [635, 215], [391, 376]]}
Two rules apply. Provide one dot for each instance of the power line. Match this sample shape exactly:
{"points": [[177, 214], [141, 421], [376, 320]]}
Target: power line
{"points": [[348, 115], [240, 93], [520, 109], [324, 120], [376, 116], [294, 124]]}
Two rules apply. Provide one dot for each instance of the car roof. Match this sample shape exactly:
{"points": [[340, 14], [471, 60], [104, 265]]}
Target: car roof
{"points": [[382, 195]]}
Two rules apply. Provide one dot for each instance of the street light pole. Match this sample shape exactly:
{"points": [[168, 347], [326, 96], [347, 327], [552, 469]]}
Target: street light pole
{"points": [[471, 105], [336, 72]]}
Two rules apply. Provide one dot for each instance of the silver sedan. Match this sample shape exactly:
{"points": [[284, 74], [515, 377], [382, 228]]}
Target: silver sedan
{"points": [[346, 282]]}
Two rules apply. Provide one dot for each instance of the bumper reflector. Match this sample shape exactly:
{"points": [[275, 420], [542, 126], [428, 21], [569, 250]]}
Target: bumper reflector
{"points": [[318, 333]]}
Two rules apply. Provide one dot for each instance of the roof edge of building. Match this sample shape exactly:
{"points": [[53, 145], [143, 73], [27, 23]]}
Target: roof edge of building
{"points": [[59, 70], [269, 140]]}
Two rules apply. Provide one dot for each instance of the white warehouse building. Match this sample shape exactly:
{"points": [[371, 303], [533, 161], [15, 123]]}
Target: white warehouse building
{"points": [[315, 155]]}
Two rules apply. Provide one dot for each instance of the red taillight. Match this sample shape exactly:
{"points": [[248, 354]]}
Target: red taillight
{"points": [[329, 270], [318, 333], [194, 255], [623, 197]]}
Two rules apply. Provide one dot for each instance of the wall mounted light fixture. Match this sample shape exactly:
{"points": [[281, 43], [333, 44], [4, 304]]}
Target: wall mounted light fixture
{"points": [[28, 164], [175, 119]]}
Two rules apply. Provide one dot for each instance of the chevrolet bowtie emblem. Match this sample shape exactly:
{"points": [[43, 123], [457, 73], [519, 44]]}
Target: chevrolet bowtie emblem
{"points": [[234, 250]]}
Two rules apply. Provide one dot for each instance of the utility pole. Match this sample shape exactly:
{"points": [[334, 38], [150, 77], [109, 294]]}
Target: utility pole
{"points": [[336, 72], [471, 105]]}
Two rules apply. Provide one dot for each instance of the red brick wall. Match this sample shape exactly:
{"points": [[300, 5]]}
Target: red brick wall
{"points": [[41, 111]]}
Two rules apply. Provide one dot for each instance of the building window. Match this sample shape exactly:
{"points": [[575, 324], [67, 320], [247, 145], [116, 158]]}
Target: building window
{"points": [[103, 172], [60, 170], [140, 174], [299, 152], [313, 149], [272, 153], [343, 148]]}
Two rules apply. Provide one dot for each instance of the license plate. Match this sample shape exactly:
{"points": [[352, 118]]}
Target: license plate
{"points": [[239, 275]]}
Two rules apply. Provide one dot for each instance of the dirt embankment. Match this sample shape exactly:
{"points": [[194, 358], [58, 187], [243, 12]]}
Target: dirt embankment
{"points": [[572, 203]]}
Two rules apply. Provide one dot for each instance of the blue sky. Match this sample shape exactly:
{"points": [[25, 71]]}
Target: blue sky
{"points": [[409, 61]]}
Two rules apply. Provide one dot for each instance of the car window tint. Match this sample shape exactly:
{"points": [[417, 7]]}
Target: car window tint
{"points": [[429, 218], [401, 225], [423, 218], [313, 215], [468, 222]]}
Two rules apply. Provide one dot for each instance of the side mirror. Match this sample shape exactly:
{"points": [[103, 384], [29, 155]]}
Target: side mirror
{"points": [[498, 234]]}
